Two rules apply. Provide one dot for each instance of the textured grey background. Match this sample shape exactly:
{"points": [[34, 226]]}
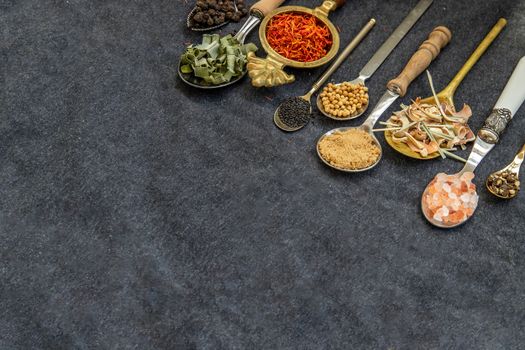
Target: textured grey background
{"points": [[139, 213]]}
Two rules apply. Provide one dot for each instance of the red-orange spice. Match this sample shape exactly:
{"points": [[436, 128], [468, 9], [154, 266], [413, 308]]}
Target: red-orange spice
{"points": [[298, 36]]}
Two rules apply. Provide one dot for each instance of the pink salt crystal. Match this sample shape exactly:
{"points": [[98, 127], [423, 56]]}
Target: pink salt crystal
{"points": [[441, 177], [446, 188], [465, 197]]}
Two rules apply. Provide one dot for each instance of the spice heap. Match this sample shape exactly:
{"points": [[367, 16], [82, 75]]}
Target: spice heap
{"points": [[217, 60], [505, 184], [212, 12], [299, 36], [294, 112], [344, 100], [351, 149], [427, 128], [450, 199]]}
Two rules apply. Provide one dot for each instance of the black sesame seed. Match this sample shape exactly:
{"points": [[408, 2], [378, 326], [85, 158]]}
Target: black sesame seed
{"points": [[294, 112]]}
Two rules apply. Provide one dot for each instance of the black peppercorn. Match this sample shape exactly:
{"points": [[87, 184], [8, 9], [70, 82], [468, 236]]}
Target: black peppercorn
{"points": [[216, 12]]}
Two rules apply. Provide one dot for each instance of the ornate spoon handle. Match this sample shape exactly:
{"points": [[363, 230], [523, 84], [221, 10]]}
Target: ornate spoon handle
{"points": [[508, 104]]}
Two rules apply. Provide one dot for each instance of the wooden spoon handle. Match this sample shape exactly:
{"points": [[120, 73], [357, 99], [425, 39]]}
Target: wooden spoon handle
{"points": [[265, 6], [420, 60]]}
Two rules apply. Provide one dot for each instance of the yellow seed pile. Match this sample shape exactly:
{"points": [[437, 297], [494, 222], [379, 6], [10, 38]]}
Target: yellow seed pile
{"points": [[344, 100]]}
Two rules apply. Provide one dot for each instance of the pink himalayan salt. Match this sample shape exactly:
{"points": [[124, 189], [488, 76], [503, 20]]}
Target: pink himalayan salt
{"points": [[450, 199]]}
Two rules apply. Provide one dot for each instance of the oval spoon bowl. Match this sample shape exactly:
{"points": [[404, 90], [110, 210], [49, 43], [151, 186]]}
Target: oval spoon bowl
{"points": [[350, 117], [345, 169], [434, 222]]}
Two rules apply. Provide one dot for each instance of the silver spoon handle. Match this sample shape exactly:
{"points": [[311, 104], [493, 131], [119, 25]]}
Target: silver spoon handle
{"points": [[348, 49], [247, 27], [394, 39], [257, 12], [479, 151]]}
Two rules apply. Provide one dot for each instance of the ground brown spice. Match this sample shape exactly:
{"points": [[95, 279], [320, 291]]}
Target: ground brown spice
{"points": [[350, 149]]}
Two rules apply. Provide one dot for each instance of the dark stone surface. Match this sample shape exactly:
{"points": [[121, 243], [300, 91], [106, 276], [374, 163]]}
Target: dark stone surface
{"points": [[139, 213]]}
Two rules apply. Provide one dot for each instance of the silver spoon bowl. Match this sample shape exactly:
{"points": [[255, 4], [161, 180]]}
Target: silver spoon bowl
{"points": [[361, 81], [363, 127]]}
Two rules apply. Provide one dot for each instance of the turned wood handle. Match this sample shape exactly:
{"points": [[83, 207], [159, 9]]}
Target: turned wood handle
{"points": [[265, 6], [420, 60]]}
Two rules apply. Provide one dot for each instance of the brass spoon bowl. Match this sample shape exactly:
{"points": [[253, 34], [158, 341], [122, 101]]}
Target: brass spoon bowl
{"points": [[269, 71], [447, 94], [513, 168]]}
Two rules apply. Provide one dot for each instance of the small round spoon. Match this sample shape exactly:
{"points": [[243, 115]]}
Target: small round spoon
{"points": [[507, 105], [379, 57], [257, 13], [512, 168]]}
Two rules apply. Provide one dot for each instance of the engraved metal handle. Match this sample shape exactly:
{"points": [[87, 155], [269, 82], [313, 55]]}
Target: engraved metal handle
{"points": [[508, 104]]}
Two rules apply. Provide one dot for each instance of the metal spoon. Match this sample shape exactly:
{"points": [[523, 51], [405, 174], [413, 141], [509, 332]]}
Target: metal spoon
{"points": [[508, 104], [513, 169], [379, 57], [257, 13], [420, 60], [333, 67]]}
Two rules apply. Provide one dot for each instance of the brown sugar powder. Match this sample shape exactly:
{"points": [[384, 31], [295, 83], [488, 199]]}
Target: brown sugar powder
{"points": [[350, 149]]}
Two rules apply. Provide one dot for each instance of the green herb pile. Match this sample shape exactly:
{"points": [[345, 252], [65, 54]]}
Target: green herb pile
{"points": [[217, 60]]}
